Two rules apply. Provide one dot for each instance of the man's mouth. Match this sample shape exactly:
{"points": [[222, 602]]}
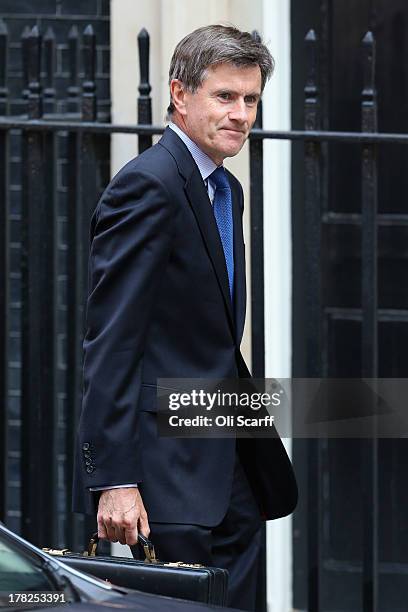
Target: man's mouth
{"points": [[233, 130]]}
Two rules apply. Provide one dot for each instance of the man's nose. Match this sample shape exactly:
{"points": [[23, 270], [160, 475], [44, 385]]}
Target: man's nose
{"points": [[239, 112]]}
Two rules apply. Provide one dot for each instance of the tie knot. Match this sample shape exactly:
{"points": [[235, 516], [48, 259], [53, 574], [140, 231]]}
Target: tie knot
{"points": [[219, 178]]}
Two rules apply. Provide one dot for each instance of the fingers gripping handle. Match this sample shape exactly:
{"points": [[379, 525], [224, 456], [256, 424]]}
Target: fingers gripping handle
{"points": [[143, 542]]}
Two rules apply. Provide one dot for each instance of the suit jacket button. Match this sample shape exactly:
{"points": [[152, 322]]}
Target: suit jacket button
{"points": [[90, 469], [85, 446]]}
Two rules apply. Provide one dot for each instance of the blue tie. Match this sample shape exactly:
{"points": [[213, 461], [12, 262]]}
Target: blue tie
{"points": [[222, 206]]}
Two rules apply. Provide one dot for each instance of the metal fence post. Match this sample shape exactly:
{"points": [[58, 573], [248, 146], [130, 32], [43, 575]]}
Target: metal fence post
{"points": [[257, 247], [73, 58], [144, 102], [82, 180], [25, 51], [38, 325], [88, 166], [88, 85], [313, 307], [74, 534], [369, 322], [49, 89], [4, 247], [258, 296]]}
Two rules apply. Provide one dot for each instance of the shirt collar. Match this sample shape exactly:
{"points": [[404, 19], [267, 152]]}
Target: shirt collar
{"points": [[205, 164]]}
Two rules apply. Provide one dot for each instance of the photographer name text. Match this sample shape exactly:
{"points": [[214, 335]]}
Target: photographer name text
{"points": [[220, 421]]}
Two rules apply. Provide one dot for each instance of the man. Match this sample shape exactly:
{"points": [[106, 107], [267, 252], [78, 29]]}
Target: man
{"points": [[167, 300]]}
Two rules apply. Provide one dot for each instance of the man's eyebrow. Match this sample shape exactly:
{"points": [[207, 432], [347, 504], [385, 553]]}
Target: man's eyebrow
{"points": [[256, 94], [223, 90]]}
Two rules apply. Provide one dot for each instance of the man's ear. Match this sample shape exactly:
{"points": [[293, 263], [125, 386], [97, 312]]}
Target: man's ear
{"points": [[178, 93]]}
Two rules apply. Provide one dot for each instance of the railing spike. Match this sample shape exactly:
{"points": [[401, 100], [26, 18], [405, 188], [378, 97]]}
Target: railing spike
{"points": [[369, 92], [49, 57], [24, 55], [3, 68], [312, 115], [144, 103], [88, 86], [49, 35], [311, 36], [73, 32], [35, 32], [89, 31], [256, 36], [34, 70], [73, 102]]}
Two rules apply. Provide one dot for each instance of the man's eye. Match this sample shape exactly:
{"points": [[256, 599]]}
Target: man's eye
{"points": [[224, 95], [251, 100]]}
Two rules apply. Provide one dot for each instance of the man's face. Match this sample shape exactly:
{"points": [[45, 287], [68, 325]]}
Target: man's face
{"points": [[220, 114]]}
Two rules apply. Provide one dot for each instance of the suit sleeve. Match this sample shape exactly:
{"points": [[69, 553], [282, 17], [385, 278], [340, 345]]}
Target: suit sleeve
{"points": [[131, 237]]}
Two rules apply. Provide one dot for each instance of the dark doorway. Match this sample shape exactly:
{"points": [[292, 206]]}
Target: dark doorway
{"points": [[339, 514]]}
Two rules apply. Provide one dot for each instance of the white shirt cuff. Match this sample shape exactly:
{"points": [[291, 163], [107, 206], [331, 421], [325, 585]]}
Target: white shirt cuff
{"points": [[124, 486]]}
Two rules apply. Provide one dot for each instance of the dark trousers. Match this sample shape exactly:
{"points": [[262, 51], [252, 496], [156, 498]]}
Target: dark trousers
{"points": [[234, 544]]}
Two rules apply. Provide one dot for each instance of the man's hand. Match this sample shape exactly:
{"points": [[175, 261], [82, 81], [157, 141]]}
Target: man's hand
{"points": [[121, 515]]}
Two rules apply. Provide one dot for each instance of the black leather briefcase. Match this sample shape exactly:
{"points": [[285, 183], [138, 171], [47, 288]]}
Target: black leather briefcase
{"points": [[177, 579]]}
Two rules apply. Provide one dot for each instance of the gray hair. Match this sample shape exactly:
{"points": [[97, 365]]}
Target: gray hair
{"points": [[212, 45]]}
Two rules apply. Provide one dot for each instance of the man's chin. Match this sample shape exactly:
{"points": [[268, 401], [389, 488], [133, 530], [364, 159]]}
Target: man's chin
{"points": [[232, 151]]}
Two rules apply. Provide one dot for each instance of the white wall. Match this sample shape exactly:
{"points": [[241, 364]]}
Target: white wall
{"points": [[127, 19], [278, 268]]}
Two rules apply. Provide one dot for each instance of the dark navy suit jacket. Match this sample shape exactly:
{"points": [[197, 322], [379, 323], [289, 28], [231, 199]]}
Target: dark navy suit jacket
{"points": [[159, 307]]}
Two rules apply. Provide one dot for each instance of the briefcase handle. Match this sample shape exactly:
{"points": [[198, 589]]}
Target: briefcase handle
{"points": [[146, 544]]}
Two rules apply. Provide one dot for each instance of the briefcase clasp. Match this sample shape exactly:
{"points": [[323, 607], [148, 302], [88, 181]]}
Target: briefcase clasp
{"points": [[57, 552], [148, 548], [182, 564]]}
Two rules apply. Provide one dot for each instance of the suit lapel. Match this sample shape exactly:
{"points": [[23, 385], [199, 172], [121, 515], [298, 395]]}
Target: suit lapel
{"points": [[239, 265], [201, 205], [197, 196]]}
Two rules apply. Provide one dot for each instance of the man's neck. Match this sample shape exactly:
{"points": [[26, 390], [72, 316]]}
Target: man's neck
{"points": [[205, 164], [178, 120], [180, 123]]}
